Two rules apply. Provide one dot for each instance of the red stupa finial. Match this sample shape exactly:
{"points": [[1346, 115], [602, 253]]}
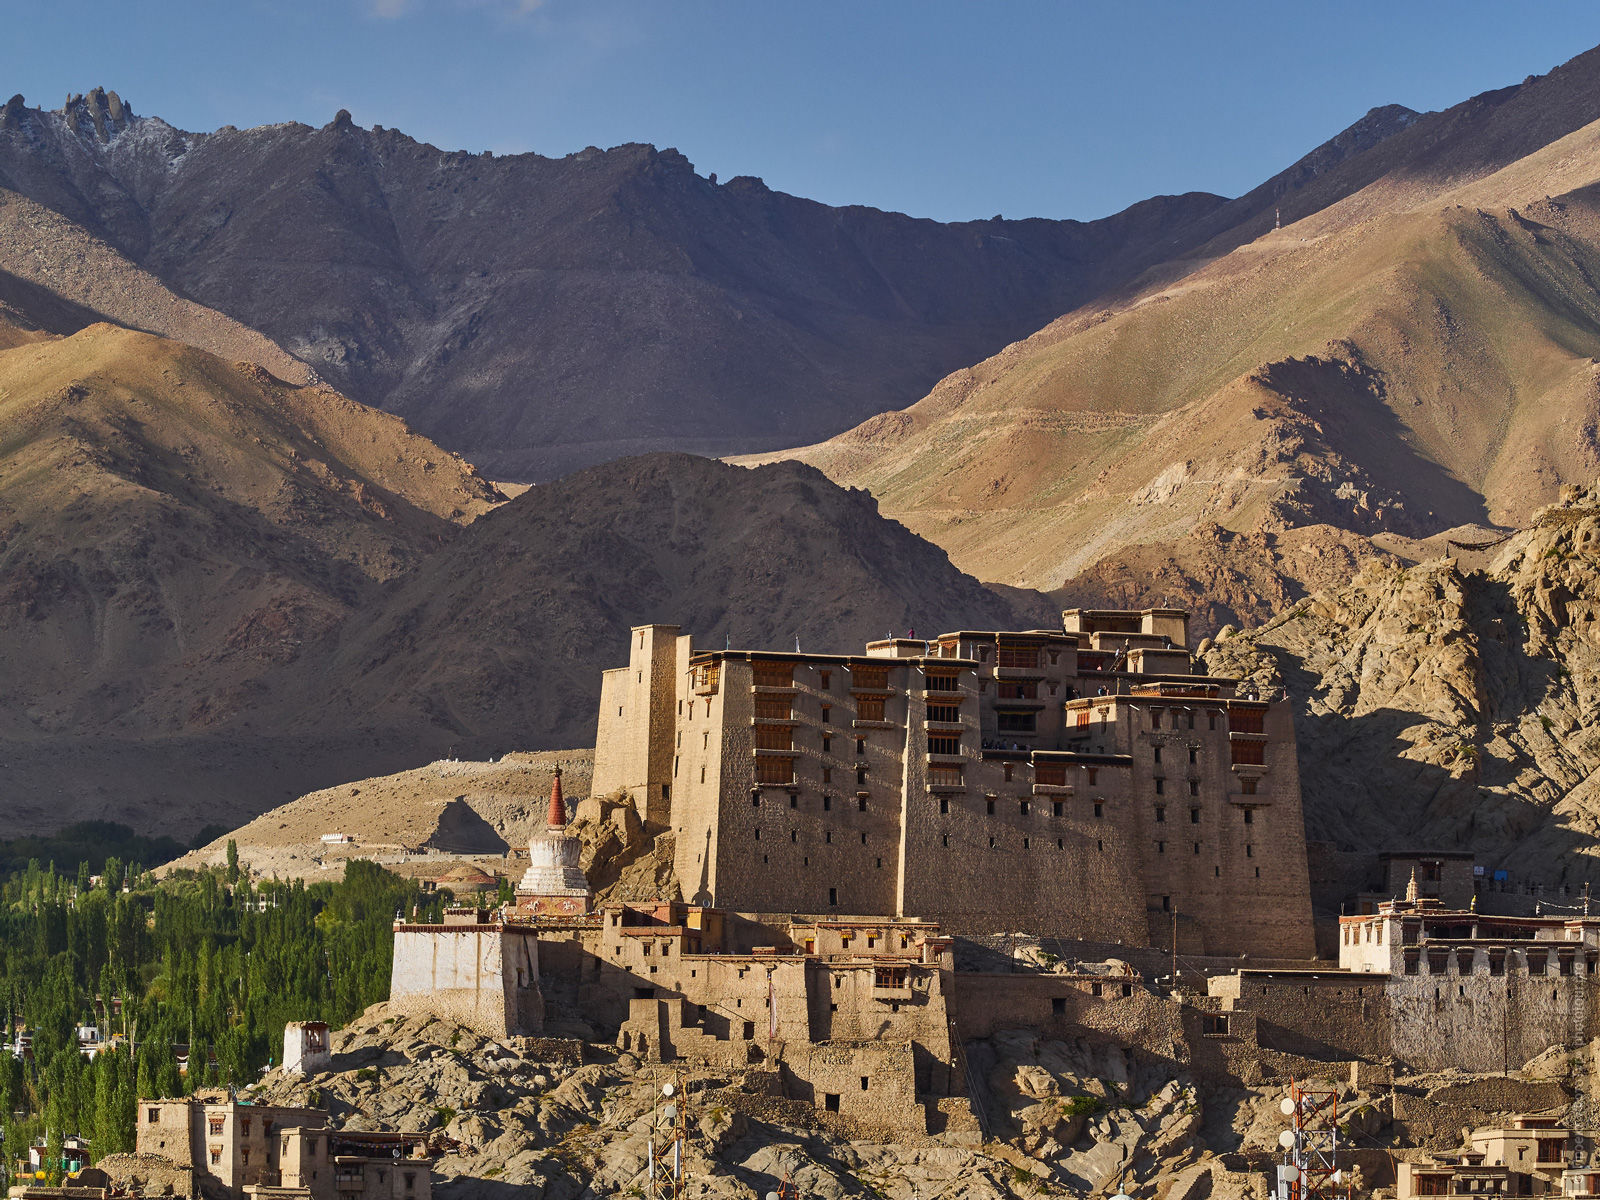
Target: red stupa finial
{"points": [[558, 806]]}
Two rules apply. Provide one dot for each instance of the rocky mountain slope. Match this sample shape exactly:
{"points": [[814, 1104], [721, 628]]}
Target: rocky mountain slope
{"points": [[219, 591], [174, 529], [540, 314], [1416, 351], [75, 279], [497, 642], [1453, 704]]}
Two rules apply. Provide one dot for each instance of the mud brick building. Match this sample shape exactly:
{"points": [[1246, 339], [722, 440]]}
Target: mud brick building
{"points": [[474, 968], [1432, 987], [214, 1145], [1078, 783]]}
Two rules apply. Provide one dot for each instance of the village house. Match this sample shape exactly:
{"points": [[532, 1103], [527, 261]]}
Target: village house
{"points": [[1433, 987], [1529, 1157], [210, 1145]]}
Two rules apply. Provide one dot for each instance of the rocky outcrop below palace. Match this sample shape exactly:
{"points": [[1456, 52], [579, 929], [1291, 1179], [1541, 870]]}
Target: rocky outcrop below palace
{"points": [[1453, 704]]}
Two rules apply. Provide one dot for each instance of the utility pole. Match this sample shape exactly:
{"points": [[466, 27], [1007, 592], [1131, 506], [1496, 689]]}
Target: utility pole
{"points": [[1174, 947]]}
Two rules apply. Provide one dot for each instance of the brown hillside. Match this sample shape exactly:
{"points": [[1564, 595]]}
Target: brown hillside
{"points": [[497, 641], [174, 529], [75, 279], [1395, 370], [538, 314], [414, 822]]}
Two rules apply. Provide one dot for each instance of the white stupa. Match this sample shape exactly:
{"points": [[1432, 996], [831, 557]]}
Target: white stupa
{"points": [[554, 884]]}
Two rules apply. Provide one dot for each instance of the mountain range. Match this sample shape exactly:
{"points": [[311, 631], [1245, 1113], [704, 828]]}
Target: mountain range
{"points": [[1417, 348], [537, 314], [255, 385]]}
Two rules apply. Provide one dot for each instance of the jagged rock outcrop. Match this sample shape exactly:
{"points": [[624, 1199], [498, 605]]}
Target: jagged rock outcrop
{"points": [[1456, 703]]}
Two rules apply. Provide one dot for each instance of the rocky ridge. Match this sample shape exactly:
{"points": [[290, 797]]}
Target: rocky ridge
{"points": [[1452, 704], [1067, 1118], [540, 314]]}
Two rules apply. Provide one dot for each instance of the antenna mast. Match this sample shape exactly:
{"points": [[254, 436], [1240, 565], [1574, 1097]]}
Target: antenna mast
{"points": [[668, 1130], [1311, 1146]]}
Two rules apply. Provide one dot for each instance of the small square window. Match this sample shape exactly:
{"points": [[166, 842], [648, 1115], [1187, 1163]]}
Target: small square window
{"points": [[989, 807], [944, 804], [1055, 809], [1099, 810]]}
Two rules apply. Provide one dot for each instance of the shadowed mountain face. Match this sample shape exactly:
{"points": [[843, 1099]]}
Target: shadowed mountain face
{"points": [[539, 314], [1416, 351], [1453, 704], [498, 641], [219, 590]]}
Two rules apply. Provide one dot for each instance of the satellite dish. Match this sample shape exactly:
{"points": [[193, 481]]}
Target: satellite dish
{"points": [[1286, 1138], [1338, 1177], [667, 1089], [772, 1196], [670, 1112], [1291, 1173], [1286, 1107]]}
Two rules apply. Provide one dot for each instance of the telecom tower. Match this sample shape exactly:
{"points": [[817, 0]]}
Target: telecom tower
{"points": [[1311, 1146], [668, 1129]]}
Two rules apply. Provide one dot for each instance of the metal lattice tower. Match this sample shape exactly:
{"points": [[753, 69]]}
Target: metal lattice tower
{"points": [[669, 1128], [1311, 1146]]}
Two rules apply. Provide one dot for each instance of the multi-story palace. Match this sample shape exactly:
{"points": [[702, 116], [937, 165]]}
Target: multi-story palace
{"points": [[1080, 783]]}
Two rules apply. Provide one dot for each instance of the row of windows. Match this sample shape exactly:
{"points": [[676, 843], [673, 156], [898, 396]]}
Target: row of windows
{"points": [[1161, 787], [781, 771], [1249, 848], [862, 676], [781, 737], [781, 708], [1194, 815]]}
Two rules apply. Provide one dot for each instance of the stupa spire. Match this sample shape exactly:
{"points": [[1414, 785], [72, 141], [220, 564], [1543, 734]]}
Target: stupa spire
{"points": [[558, 806]]}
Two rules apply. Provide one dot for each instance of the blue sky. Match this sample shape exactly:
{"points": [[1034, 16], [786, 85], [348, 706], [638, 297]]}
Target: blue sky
{"points": [[946, 110]]}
